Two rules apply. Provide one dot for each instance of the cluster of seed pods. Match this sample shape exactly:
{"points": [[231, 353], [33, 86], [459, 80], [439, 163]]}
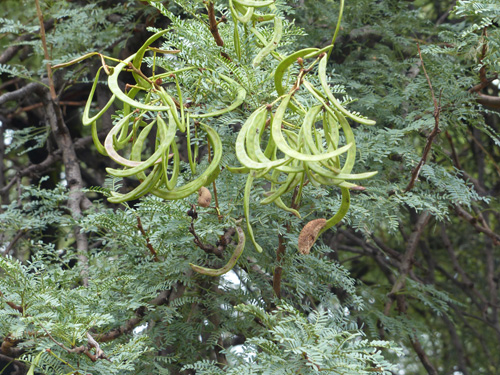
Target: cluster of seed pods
{"points": [[271, 144]]}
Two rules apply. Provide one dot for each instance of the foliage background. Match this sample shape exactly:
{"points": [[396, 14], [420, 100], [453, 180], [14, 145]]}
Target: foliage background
{"points": [[417, 267]]}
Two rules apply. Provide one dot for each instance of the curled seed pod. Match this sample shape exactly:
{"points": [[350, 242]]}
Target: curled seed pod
{"points": [[309, 234], [204, 197]]}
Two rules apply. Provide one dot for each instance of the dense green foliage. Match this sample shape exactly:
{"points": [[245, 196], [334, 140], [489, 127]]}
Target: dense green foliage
{"points": [[407, 283]]}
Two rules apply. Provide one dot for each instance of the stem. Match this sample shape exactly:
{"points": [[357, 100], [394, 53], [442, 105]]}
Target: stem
{"points": [[435, 131], [214, 28], [219, 216], [280, 253], [53, 94], [279, 270], [60, 359], [148, 244], [341, 11]]}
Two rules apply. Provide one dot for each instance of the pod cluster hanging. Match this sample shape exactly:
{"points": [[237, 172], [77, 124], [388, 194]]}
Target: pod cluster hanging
{"points": [[297, 154], [164, 114]]}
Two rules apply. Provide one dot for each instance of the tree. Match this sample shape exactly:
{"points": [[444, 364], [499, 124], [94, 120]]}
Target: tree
{"points": [[378, 242]]}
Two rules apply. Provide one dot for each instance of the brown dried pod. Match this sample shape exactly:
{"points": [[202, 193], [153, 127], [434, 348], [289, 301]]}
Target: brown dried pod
{"points": [[308, 235], [204, 197]]}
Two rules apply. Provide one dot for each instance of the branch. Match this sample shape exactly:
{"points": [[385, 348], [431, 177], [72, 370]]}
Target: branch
{"points": [[148, 244], [467, 283], [21, 367], [42, 167], [40, 105], [489, 100], [209, 248], [45, 50], [484, 150], [23, 92], [423, 356], [445, 15], [485, 82], [99, 353], [221, 245], [280, 253], [475, 223], [408, 258], [393, 253], [126, 328], [164, 297], [14, 47], [77, 199], [13, 305], [492, 282], [434, 133], [457, 343], [404, 270], [481, 338], [17, 237], [7, 344], [214, 29]]}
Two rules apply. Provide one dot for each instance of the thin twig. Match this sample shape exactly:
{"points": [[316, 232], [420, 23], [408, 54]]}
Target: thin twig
{"points": [[424, 358], [454, 154], [148, 244], [278, 271], [434, 133], [408, 259], [99, 353], [19, 367], [17, 237], [280, 252], [46, 51], [404, 270], [40, 105], [23, 92], [18, 43], [489, 100], [445, 15], [214, 29], [74, 350], [13, 81], [138, 71], [209, 248], [125, 328], [219, 216], [13, 305], [42, 167], [475, 223], [492, 159]]}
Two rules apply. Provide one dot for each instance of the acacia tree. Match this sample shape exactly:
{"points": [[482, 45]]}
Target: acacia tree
{"points": [[190, 187]]}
